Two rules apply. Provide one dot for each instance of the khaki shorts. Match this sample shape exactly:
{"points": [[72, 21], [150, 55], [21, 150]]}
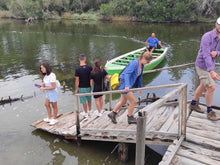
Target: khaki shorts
{"points": [[205, 77]]}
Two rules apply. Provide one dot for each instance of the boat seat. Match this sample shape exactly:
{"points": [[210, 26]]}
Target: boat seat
{"points": [[120, 63]]}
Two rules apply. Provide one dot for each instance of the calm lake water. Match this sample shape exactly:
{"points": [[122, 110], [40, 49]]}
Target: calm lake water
{"points": [[23, 47]]}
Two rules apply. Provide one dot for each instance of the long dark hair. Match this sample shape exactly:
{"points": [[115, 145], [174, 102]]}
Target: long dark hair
{"points": [[96, 68], [47, 67]]}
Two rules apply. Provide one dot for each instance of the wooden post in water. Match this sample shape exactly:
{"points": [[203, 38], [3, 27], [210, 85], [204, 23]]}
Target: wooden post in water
{"points": [[140, 139], [77, 120], [123, 152]]}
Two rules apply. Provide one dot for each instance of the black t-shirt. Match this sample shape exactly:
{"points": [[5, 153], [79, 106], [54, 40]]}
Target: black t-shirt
{"points": [[83, 72], [98, 79]]}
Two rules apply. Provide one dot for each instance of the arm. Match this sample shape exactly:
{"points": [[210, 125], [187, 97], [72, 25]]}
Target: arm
{"points": [[147, 44], [76, 84], [214, 75], [160, 44], [130, 72], [49, 88], [215, 53], [91, 84], [108, 77]]}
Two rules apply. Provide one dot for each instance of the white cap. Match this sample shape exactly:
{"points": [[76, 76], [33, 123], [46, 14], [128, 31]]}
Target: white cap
{"points": [[218, 20]]}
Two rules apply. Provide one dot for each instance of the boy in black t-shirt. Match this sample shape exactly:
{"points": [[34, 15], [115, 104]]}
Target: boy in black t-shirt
{"points": [[82, 83]]}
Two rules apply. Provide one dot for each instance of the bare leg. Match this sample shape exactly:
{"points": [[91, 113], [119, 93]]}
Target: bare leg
{"points": [[200, 89], [120, 103], [55, 110], [98, 104], [90, 106], [85, 108], [101, 102], [130, 96], [208, 95], [47, 105]]}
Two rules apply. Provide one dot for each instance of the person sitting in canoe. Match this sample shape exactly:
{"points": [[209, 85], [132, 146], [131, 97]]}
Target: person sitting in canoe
{"points": [[130, 77], [152, 43]]}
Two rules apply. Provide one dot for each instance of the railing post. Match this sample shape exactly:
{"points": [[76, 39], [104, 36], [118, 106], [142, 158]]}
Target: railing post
{"points": [[184, 108], [110, 97], [77, 120], [180, 112], [140, 139]]}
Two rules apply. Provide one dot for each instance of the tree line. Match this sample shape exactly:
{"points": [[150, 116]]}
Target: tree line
{"points": [[134, 10]]}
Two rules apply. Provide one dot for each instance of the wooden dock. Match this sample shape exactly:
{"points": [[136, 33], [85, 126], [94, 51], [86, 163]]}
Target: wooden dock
{"points": [[191, 137], [163, 120], [201, 145]]}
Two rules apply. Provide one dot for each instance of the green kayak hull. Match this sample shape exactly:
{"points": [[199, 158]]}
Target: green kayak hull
{"points": [[117, 64]]}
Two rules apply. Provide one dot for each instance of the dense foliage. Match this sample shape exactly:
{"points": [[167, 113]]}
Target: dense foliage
{"points": [[138, 10]]}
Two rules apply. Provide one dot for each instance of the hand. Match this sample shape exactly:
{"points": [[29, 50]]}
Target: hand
{"points": [[42, 88], [76, 91], [140, 92], [214, 54], [214, 75], [127, 89]]}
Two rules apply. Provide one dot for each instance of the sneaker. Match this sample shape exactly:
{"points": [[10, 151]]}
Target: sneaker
{"points": [[102, 111], [99, 114], [212, 116], [89, 113], [132, 120], [47, 120], [84, 114], [196, 108], [53, 121], [112, 116]]}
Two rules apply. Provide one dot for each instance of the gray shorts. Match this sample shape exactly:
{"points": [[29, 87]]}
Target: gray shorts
{"points": [[205, 77]]}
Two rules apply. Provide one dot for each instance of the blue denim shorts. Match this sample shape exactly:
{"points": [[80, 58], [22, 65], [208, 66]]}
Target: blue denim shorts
{"points": [[52, 95]]}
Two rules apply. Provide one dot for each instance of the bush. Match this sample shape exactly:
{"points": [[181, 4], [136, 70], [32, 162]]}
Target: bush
{"points": [[76, 16], [106, 10], [217, 8], [5, 14], [67, 15]]}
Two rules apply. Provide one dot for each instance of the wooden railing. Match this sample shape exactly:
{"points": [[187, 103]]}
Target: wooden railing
{"points": [[181, 89]]}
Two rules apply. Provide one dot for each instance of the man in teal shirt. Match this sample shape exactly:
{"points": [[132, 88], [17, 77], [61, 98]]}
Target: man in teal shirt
{"points": [[152, 42], [205, 65]]}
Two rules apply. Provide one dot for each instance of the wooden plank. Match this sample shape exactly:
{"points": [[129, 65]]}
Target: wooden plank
{"points": [[198, 149], [204, 133], [179, 86], [204, 121], [179, 160], [196, 125], [170, 120], [173, 152], [203, 141], [154, 117], [197, 157], [162, 119]]}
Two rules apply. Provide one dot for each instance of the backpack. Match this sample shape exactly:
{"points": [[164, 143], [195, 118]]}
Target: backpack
{"points": [[114, 81]]}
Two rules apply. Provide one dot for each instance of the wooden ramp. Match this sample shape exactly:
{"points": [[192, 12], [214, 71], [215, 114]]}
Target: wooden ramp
{"points": [[162, 120], [202, 143]]}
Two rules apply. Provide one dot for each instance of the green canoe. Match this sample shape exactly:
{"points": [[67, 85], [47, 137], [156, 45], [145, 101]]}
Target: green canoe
{"points": [[117, 64]]}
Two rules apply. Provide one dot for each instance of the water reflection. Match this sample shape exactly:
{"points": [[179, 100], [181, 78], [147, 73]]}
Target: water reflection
{"points": [[66, 151]]}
